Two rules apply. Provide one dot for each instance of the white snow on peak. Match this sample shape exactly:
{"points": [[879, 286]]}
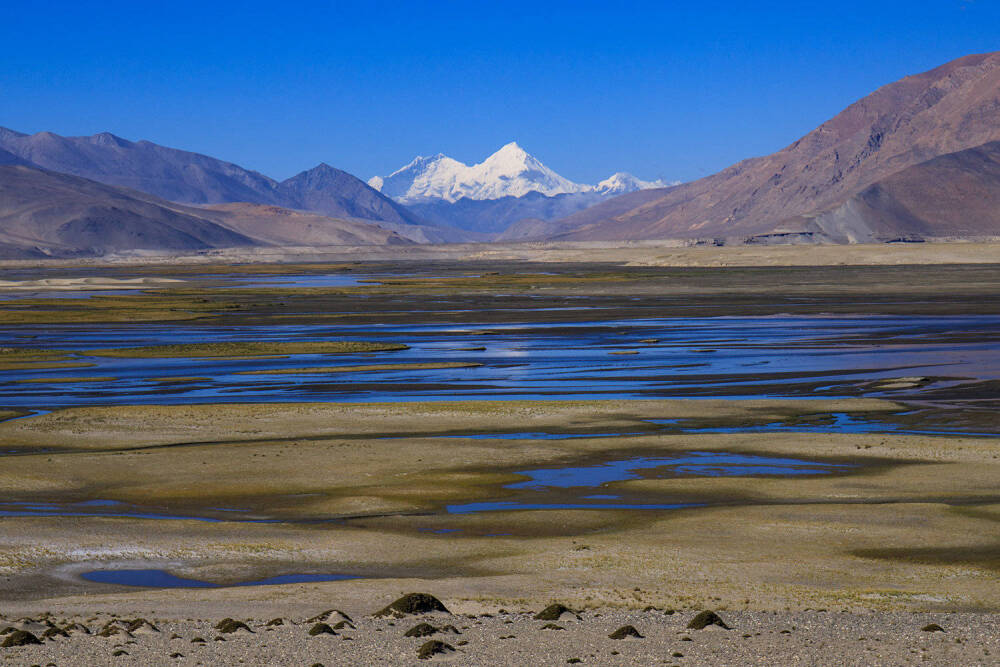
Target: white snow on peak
{"points": [[622, 182], [511, 171]]}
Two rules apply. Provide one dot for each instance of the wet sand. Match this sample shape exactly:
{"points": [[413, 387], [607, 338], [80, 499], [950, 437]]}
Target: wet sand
{"points": [[911, 527]]}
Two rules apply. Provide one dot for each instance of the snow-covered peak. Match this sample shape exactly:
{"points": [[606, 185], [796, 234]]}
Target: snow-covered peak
{"points": [[510, 172], [623, 182]]}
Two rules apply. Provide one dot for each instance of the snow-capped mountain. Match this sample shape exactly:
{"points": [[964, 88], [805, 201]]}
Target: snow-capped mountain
{"points": [[622, 182], [510, 172]]}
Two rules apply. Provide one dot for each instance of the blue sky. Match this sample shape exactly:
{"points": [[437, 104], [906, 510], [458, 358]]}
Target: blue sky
{"points": [[660, 89]]}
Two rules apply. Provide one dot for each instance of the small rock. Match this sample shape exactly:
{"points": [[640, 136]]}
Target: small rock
{"points": [[176, 656], [932, 627], [432, 648], [198, 640], [625, 631], [705, 619], [321, 629], [141, 626], [274, 622], [552, 626], [119, 653], [228, 626], [19, 638], [344, 625], [330, 616], [114, 629], [52, 633], [552, 612], [412, 603], [421, 630]]}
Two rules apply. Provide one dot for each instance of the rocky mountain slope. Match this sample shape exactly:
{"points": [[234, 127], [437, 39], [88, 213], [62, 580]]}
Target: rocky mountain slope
{"points": [[956, 195], [947, 110]]}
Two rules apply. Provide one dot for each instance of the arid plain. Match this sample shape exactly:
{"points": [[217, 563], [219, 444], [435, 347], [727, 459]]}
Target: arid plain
{"points": [[803, 440]]}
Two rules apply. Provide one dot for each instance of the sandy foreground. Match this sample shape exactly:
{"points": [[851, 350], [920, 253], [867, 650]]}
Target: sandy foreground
{"points": [[514, 637], [904, 538]]}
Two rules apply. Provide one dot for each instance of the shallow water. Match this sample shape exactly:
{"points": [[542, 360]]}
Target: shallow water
{"points": [[732, 357], [298, 280], [586, 487], [691, 464], [116, 509], [163, 579], [511, 506], [579, 487]]}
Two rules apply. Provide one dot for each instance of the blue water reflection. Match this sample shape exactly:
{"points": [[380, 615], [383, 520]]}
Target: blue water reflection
{"points": [[163, 579], [752, 357], [696, 464]]}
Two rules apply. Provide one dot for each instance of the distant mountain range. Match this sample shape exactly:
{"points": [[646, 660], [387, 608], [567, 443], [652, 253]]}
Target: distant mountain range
{"points": [[192, 178], [913, 159], [916, 159], [48, 214], [506, 187]]}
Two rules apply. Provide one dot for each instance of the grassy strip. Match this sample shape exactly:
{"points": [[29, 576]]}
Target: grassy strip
{"points": [[42, 365], [361, 368], [249, 349], [65, 380]]}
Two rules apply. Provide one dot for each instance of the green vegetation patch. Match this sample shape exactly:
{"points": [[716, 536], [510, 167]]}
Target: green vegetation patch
{"points": [[66, 380], [26, 359], [247, 349], [18, 354], [42, 365]]}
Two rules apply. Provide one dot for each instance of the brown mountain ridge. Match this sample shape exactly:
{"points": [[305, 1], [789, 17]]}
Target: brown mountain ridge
{"points": [[806, 188]]}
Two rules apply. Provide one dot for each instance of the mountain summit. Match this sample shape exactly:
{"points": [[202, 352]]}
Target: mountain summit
{"points": [[510, 172]]}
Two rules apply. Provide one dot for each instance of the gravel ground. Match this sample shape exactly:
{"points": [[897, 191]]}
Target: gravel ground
{"points": [[516, 638]]}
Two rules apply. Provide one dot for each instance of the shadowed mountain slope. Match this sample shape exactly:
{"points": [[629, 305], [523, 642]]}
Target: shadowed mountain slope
{"points": [[192, 178], [956, 195], [44, 213]]}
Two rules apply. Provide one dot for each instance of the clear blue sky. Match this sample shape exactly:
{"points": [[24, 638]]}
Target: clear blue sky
{"points": [[672, 90]]}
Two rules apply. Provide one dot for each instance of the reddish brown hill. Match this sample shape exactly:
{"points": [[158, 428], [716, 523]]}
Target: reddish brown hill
{"points": [[951, 196], [946, 110]]}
